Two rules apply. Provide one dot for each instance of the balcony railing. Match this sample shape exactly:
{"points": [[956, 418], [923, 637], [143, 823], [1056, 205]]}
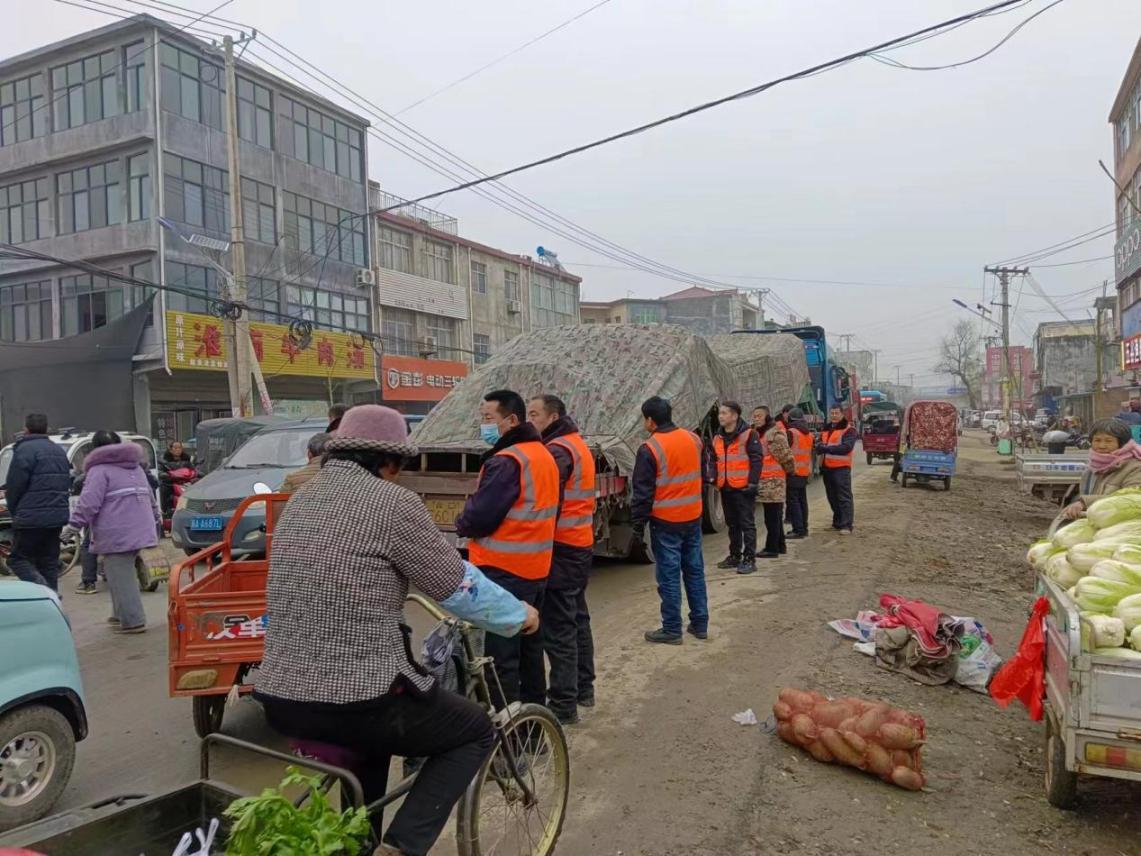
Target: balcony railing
{"points": [[380, 199]]}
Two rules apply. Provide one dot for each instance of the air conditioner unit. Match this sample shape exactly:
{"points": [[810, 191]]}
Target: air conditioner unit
{"points": [[428, 345], [514, 306], [366, 277]]}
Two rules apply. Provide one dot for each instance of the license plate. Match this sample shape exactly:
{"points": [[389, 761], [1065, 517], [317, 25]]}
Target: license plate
{"points": [[207, 524], [444, 511]]}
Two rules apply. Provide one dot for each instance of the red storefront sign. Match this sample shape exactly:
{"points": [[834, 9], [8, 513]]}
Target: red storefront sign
{"points": [[414, 379], [1131, 352]]}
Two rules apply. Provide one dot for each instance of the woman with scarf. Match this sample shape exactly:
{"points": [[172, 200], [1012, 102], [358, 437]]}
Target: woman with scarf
{"points": [[778, 464], [1114, 463]]}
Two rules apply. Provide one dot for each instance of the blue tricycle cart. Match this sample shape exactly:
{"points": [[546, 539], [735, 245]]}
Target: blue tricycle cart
{"points": [[924, 465], [930, 440]]}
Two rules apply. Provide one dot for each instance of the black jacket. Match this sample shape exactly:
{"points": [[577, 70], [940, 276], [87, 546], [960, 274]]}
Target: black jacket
{"points": [[38, 482], [498, 486], [753, 448], [847, 440], [168, 462], [645, 481], [570, 566]]}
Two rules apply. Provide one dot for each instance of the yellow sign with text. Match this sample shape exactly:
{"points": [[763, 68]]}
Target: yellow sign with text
{"points": [[196, 342]]}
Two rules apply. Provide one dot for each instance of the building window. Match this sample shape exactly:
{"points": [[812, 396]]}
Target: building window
{"points": [[196, 194], [26, 312], [144, 271], [511, 285], [645, 315], [255, 116], [89, 197], [481, 345], [191, 87], [262, 298], [552, 301], [437, 261], [258, 212], [86, 90], [324, 229], [1122, 137], [22, 113], [328, 309], [443, 330], [202, 282], [25, 214], [321, 140], [135, 61], [395, 250], [479, 277], [398, 329], [139, 187], [89, 302]]}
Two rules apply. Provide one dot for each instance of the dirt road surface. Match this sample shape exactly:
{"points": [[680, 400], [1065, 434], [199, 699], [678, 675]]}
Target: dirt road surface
{"points": [[659, 767]]}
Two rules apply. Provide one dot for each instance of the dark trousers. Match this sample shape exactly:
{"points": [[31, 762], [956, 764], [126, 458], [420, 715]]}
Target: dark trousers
{"points": [[559, 629], [452, 733], [88, 562], [774, 527], [838, 487], [518, 659], [797, 504], [585, 648], [35, 556], [740, 514]]}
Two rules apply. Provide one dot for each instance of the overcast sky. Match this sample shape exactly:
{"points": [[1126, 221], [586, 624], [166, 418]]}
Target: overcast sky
{"points": [[908, 180]]}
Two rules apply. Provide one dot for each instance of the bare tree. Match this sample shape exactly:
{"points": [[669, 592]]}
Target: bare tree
{"points": [[960, 357]]}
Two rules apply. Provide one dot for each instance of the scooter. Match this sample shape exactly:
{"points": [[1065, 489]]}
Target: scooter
{"points": [[179, 479]]}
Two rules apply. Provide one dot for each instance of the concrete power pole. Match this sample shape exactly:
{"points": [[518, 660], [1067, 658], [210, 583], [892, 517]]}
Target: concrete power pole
{"points": [[1004, 274], [237, 332]]}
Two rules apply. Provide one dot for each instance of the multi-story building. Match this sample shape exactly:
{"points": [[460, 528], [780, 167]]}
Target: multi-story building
{"points": [[1125, 118], [446, 302], [628, 310], [1067, 361], [704, 311], [1021, 377], [104, 133]]}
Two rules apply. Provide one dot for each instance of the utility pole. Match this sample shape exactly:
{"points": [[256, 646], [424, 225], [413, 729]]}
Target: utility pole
{"points": [[1004, 274], [237, 332], [846, 338], [875, 365]]}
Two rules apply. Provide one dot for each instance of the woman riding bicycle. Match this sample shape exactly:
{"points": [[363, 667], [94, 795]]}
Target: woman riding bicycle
{"points": [[338, 666]]}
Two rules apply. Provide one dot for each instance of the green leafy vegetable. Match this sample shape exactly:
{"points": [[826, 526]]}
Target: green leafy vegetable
{"points": [[1127, 530], [1078, 532], [1098, 595], [1084, 556], [1061, 571], [1128, 609], [1122, 572], [1115, 509], [271, 825], [1040, 551]]}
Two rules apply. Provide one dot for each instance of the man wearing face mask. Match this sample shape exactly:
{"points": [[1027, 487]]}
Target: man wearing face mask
{"points": [[510, 523]]}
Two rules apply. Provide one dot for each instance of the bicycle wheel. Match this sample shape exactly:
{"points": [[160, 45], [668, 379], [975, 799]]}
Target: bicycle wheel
{"points": [[494, 818]]}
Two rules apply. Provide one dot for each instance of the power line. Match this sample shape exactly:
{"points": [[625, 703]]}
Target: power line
{"points": [[500, 59], [1018, 259], [1078, 262]]}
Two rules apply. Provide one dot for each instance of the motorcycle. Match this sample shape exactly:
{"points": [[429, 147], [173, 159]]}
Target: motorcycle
{"points": [[178, 479]]}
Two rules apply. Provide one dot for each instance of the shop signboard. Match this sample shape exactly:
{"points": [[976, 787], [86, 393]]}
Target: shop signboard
{"points": [[196, 343], [1131, 352], [414, 379], [1127, 251]]}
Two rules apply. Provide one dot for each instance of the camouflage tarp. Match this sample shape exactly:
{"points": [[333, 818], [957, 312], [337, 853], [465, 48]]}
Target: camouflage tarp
{"points": [[768, 368], [603, 373]]}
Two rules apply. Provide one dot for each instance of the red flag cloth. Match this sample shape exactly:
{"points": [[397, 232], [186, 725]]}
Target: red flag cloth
{"points": [[1023, 676]]}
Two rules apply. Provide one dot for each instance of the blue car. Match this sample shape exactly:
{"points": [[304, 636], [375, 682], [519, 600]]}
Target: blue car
{"points": [[42, 715]]}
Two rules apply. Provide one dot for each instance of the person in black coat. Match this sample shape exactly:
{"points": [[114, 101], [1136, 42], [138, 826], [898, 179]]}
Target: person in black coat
{"points": [[37, 486], [836, 443]]}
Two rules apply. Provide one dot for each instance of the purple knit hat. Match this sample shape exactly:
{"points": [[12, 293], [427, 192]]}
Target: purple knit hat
{"points": [[373, 428]]}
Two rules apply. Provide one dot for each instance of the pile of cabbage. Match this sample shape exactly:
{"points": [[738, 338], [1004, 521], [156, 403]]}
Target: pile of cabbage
{"points": [[1097, 559]]}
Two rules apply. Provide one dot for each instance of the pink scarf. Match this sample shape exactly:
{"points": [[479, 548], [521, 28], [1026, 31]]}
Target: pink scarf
{"points": [[1100, 462]]}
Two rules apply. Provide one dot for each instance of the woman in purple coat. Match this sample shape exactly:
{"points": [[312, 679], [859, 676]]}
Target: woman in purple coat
{"points": [[119, 509]]}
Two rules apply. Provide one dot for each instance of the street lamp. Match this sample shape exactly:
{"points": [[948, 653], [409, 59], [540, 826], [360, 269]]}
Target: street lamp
{"points": [[981, 312]]}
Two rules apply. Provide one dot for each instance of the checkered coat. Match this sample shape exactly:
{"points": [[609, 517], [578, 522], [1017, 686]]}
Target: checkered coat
{"points": [[343, 555]]}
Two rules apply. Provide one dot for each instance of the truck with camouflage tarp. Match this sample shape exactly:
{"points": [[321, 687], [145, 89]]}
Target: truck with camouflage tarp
{"points": [[603, 373]]}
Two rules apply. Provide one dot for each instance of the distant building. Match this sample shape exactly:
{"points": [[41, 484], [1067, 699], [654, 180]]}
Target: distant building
{"points": [[1021, 374], [704, 311], [862, 363], [1066, 357], [1125, 116], [447, 303], [625, 311]]}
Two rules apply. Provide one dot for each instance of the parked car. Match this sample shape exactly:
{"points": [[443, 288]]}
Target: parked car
{"points": [[42, 713], [990, 419], [259, 465]]}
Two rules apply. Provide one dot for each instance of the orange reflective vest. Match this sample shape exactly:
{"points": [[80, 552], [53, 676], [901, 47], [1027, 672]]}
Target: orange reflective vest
{"points": [[575, 526], [802, 451], [771, 469], [836, 462], [733, 461], [522, 544], [677, 494]]}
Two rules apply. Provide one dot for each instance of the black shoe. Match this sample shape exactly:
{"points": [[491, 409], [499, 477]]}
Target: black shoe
{"points": [[729, 562], [692, 631], [567, 718], [663, 638], [86, 588], [747, 568], [797, 536], [587, 701], [768, 554]]}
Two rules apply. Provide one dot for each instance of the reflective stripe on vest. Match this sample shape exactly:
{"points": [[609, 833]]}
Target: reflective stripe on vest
{"points": [[771, 469], [733, 462], [677, 494], [575, 526], [836, 462], [522, 544], [802, 451]]}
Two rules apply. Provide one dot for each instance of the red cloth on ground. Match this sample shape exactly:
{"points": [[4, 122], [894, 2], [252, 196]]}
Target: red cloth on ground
{"points": [[922, 619]]}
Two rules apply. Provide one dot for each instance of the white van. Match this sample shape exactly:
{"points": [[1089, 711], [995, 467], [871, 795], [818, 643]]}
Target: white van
{"points": [[990, 419]]}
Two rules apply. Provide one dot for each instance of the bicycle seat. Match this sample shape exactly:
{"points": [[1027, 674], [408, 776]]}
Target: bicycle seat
{"points": [[329, 753]]}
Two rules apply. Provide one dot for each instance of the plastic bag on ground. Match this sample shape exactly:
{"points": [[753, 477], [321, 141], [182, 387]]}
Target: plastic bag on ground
{"points": [[872, 736]]}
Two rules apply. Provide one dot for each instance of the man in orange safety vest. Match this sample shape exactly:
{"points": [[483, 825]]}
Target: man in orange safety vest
{"points": [[835, 444]]}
